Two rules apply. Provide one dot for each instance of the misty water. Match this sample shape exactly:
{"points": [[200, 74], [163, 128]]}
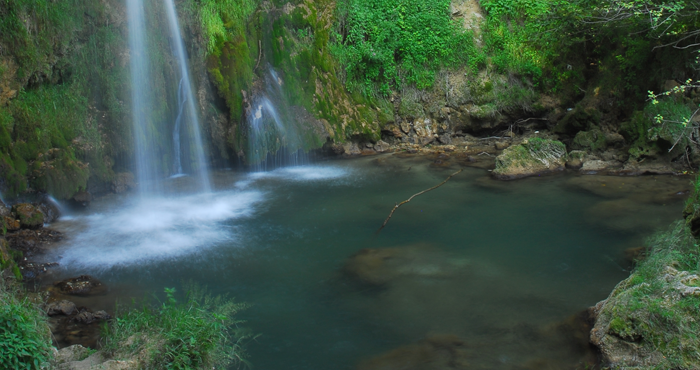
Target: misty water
{"points": [[497, 264]]}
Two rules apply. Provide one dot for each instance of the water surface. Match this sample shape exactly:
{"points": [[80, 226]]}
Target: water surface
{"points": [[497, 264]]}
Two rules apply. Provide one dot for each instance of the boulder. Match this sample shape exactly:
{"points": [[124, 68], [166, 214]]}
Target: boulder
{"points": [[575, 159], [82, 285], [535, 156], [50, 209], [10, 223], [82, 198], [87, 317], [63, 307], [123, 182], [381, 146], [29, 216]]}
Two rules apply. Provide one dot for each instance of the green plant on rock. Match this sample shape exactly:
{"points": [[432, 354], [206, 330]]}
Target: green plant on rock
{"points": [[387, 44], [199, 332], [25, 338]]}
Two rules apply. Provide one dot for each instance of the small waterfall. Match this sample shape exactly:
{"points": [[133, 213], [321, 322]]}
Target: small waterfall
{"points": [[146, 172], [177, 165], [199, 164], [273, 136]]}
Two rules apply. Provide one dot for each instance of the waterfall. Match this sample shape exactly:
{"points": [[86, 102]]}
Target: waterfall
{"points": [[273, 136], [177, 165], [140, 95], [200, 164]]}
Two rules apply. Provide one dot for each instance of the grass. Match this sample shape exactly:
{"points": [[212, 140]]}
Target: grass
{"points": [[25, 338], [197, 332], [648, 309]]}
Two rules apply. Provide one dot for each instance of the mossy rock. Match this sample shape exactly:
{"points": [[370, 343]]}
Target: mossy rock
{"points": [[29, 216], [534, 157], [593, 140], [649, 320], [579, 119]]}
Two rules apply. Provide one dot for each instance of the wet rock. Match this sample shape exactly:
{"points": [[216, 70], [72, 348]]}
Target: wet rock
{"points": [[82, 285], [442, 351], [575, 160], [123, 182], [10, 223], [594, 167], [63, 307], [50, 210], [534, 157], [87, 317], [381, 146], [29, 216], [32, 270], [351, 149], [4, 210], [32, 242], [82, 198], [406, 127]]}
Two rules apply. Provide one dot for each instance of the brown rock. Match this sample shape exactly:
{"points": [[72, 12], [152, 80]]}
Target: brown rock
{"points": [[445, 352], [63, 307], [82, 285], [11, 224], [29, 216]]}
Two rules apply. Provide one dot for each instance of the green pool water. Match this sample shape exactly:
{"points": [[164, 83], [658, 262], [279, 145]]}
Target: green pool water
{"points": [[499, 265]]}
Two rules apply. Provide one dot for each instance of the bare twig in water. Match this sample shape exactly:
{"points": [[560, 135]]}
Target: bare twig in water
{"points": [[484, 153], [413, 196]]}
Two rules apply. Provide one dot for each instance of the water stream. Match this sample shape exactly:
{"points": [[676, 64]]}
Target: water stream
{"points": [[497, 264], [199, 164]]}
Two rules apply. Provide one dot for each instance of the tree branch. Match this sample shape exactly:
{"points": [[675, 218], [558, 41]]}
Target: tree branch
{"points": [[413, 196]]}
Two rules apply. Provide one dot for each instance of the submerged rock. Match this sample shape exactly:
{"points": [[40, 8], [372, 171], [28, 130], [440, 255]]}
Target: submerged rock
{"points": [[29, 216], [441, 351], [533, 157], [81, 285], [380, 266]]}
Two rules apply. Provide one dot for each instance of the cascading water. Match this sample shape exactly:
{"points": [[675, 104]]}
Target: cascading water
{"points": [[273, 141], [140, 96], [177, 166], [199, 165]]}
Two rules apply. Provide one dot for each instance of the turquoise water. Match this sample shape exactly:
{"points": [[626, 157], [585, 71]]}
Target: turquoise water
{"points": [[497, 264]]}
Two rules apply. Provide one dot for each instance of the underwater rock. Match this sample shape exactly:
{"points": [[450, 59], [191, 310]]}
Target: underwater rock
{"points": [[29, 216], [535, 156], [82, 285], [657, 190], [32, 270], [625, 214], [636, 254], [438, 351], [380, 266], [63, 307]]}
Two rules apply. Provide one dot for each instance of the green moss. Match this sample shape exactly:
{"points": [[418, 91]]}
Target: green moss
{"points": [[593, 140]]}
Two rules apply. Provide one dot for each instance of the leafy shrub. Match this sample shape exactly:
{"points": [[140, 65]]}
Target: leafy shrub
{"points": [[391, 43], [197, 333], [25, 339]]}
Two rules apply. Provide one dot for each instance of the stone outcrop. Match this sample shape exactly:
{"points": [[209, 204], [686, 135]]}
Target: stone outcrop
{"points": [[536, 156]]}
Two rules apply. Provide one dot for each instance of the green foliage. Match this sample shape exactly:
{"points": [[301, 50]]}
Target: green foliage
{"points": [[387, 44], [199, 332], [223, 19], [25, 339]]}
